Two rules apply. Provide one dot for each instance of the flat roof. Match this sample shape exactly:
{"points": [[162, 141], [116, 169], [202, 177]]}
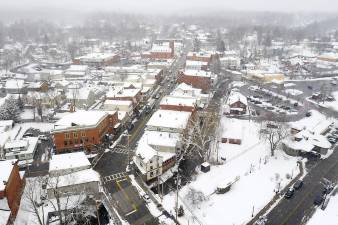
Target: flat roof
{"points": [[68, 161], [169, 119]]}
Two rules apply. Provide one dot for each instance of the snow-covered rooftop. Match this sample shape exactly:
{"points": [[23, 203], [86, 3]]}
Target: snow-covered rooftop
{"points": [[172, 100], [68, 161], [236, 96], [80, 118], [6, 167], [169, 119]]}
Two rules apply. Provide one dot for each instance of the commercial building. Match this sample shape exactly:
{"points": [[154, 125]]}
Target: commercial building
{"points": [[83, 130]]}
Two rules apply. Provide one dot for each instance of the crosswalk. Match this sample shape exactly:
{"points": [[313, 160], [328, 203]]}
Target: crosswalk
{"points": [[116, 176]]}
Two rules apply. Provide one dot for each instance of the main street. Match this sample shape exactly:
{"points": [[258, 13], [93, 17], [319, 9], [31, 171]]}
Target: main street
{"points": [[300, 207], [112, 165]]}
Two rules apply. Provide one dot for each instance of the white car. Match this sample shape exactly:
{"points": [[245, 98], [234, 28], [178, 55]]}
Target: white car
{"points": [[43, 137]]}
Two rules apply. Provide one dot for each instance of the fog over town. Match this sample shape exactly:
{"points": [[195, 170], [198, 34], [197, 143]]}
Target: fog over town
{"points": [[180, 112]]}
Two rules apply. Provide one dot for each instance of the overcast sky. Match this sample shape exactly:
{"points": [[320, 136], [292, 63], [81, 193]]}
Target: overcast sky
{"points": [[171, 6]]}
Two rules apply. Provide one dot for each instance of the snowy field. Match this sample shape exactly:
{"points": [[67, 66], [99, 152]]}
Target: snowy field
{"points": [[260, 175], [329, 216]]}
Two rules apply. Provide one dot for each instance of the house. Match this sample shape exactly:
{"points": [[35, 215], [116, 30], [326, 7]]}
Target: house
{"points": [[156, 153], [82, 98], [11, 184], [304, 142], [133, 95], [97, 59], [197, 78], [178, 104], [236, 104], [308, 134], [83, 130], [40, 86], [169, 121], [82, 182], [23, 150], [184, 90], [16, 87], [63, 164], [119, 105]]}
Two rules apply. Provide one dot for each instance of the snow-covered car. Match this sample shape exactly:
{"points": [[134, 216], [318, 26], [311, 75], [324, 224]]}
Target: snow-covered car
{"points": [[146, 198], [43, 137]]}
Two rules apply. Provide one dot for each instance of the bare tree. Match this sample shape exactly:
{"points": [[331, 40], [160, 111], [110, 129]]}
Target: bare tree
{"points": [[198, 137], [67, 206], [195, 197], [274, 134]]}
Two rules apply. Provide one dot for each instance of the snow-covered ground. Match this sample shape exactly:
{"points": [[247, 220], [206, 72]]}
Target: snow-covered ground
{"points": [[260, 175], [329, 216], [293, 92], [20, 128]]}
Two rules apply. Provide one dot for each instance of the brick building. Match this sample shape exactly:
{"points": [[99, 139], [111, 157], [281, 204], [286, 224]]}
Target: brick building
{"points": [[10, 189], [161, 50], [83, 129], [198, 79]]}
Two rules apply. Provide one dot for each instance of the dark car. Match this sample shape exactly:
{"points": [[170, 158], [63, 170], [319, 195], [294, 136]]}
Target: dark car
{"points": [[289, 193], [309, 87], [298, 185], [327, 189], [318, 199], [308, 114]]}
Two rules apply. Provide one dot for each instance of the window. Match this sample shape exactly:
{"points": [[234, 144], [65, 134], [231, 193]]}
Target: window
{"points": [[67, 135], [65, 142], [83, 133], [76, 141], [151, 167], [75, 135]]}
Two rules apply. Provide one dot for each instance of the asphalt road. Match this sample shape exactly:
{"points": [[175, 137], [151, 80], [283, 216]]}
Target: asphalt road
{"points": [[299, 208], [125, 197]]}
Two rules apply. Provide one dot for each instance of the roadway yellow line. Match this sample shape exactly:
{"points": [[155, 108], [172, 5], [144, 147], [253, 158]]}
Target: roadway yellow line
{"points": [[127, 197]]}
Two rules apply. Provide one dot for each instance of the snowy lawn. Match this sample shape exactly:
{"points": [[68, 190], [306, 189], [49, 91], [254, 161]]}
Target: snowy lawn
{"points": [[260, 175]]}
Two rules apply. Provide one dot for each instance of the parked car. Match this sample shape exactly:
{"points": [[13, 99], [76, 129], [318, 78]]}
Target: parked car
{"points": [[318, 199], [308, 114], [332, 140], [146, 198], [298, 185], [310, 87], [289, 193], [28, 135], [43, 137]]}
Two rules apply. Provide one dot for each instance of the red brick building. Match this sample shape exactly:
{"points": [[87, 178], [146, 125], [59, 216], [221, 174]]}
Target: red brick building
{"points": [[195, 78], [82, 130], [162, 50], [10, 187]]}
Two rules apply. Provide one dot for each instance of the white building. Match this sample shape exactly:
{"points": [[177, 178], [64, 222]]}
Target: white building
{"points": [[21, 149], [169, 121], [119, 105]]}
